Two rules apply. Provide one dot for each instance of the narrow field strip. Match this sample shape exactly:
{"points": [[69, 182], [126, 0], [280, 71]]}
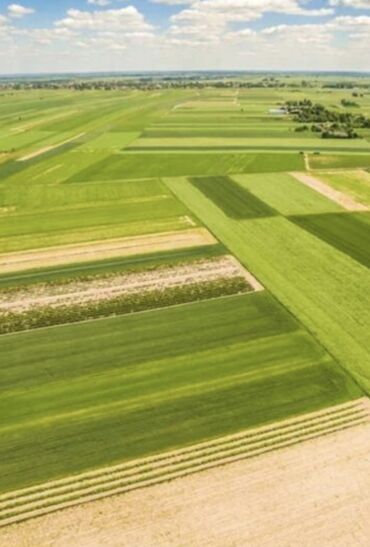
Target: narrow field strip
{"points": [[45, 305], [96, 289], [49, 148], [342, 199], [38, 500], [128, 246]]}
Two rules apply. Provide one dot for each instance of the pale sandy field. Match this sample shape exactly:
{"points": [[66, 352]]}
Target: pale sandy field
{"points": [[315, 494]]}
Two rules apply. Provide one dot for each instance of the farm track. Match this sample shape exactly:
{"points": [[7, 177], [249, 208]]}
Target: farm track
{"points": [[38, 500]]}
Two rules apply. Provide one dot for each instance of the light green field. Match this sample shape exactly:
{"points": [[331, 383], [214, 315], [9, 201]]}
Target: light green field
{"points": [[285, 194]]}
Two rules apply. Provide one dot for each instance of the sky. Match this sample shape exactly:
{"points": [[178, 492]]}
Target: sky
{"points": [[39, 36]]}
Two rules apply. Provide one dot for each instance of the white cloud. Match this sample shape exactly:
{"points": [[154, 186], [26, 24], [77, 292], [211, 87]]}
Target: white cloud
{"points": [[125, 20], [18, 11], [214, 17], [99, 2], [357, 4], [200, 35]]}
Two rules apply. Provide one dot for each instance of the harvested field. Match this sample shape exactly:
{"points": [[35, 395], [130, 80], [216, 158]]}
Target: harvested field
{"points": [[338, 439], [338, 197], [109, 286], [70, 254]]}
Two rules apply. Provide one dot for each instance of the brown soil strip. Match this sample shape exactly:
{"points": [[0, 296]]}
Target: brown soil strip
{"points": [[255, 502], [99, 250], [48, 148], [108, 287], [342, 199]]}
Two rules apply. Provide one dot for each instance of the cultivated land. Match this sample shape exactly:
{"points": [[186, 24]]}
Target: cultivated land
{"points": [[184, 282], [255, 502]]}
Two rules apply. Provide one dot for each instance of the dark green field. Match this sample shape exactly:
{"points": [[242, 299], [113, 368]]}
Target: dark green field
{"points": [[235, 201], [349, 233]]}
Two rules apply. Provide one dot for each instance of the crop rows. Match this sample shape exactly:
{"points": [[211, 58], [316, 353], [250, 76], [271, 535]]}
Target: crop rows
{"points": [[38, 500]]}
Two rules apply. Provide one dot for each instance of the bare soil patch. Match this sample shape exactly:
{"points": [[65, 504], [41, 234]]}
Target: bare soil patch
{"points": [[316, 493], [342, 199], [99, 250]]}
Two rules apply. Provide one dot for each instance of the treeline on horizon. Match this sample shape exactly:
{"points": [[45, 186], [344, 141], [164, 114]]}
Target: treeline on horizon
{"points": [[167, 81]]}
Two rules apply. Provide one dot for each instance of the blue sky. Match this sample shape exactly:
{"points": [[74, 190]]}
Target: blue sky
{"points": [[94, 35]]}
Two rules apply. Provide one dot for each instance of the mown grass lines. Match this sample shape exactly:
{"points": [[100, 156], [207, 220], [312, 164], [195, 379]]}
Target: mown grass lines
{"points": [[44, 498]]}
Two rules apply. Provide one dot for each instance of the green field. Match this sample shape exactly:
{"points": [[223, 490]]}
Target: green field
{"points": [[98, 392], [135, 165], [102, 392], [305, 273]]}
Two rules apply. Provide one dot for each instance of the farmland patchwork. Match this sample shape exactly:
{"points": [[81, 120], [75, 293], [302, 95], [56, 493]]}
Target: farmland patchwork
{"points": [[174, 293]]}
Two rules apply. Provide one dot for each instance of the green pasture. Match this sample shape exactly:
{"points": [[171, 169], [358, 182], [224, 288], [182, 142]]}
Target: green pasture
{"points": [[102, 392], [286, 195], [322, 286]]}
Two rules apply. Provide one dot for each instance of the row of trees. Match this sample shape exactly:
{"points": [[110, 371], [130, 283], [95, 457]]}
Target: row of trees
{"points": [[329, 123]]}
